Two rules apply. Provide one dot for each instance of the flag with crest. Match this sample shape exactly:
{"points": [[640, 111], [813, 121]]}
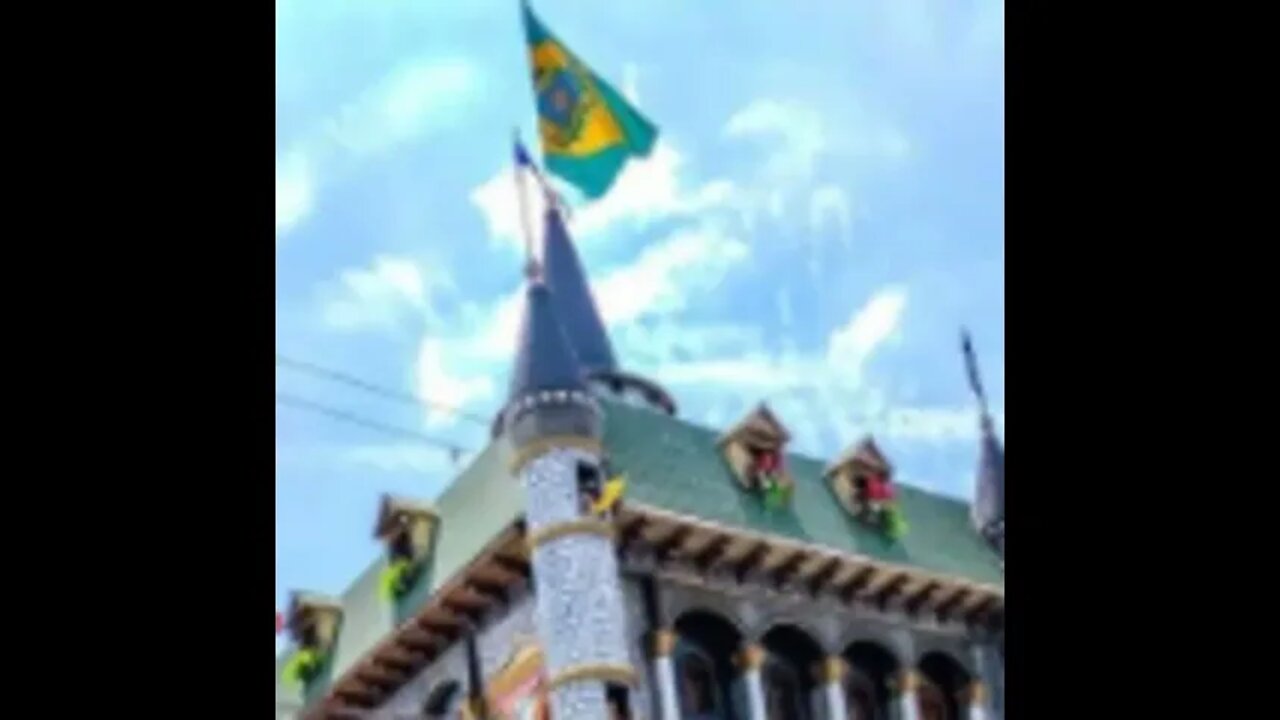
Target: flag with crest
{"points": [[588, 130]]}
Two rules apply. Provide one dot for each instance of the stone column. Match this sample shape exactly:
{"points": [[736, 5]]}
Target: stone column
{"points": [[751, 660], [831, 676], [974, 700], [664, 643], [990, 673], [908, 704]]}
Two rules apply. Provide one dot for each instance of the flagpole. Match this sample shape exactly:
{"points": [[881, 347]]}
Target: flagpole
{"points": [[526, 226]]}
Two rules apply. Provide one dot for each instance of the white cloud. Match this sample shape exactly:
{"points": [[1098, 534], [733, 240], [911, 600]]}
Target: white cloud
{"points": [[415, 99], [498, 324], [794, 130], [873, 324], [499, 202], [795, 139], [830, 204], [631, 83], [382, 295], [640, 301], [294, 191], [439, 385], [655, 341], [838, 369], [662, 278], [648, 189]]}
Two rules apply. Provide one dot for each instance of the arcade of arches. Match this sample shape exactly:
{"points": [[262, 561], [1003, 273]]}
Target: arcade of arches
{"points": [[705, 670]]}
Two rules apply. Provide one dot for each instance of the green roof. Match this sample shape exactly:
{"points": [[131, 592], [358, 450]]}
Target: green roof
{"points": [[675, 466]]}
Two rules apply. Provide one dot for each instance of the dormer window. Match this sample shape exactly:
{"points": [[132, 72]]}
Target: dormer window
{"points": [[313, 629], [407, 530], [862, 481], [308, 637], [755, 450], [400, 547]]}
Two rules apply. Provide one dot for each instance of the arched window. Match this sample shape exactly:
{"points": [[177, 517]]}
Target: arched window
{"points": [[699, 693], [861, 701], [784, 693], [943, 683], [704, 666], [933, 704], [867, 692], [788, 676], [443, 702]]}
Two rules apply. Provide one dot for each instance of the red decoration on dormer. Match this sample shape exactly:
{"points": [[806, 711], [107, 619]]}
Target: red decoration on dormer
{"points": [[755, 449], [768, 462], [878, 488], [768, 476], [863, 482]]}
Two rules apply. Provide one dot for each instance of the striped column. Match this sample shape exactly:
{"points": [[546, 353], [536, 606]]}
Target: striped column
{"points": [[831, 674], [751, 660], [974, 698], [664, 644], [908, 704], [988, 665]]}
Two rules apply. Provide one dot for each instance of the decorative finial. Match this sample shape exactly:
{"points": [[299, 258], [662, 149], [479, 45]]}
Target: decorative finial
{"points": [[971, 366]]}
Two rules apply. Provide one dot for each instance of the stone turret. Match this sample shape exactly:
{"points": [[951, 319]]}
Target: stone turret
{"points": [[554, 425], [560, 270]]}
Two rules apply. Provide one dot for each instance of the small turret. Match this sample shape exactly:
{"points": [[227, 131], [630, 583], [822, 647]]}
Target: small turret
{"points": [[571, 297], [548, 396], [580, 340], [554, 425], [988, 500]]}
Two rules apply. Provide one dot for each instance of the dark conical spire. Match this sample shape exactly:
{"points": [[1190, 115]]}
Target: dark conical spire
{"points": [[544, 357], [988, 501], [549, 394], [570, 295]]}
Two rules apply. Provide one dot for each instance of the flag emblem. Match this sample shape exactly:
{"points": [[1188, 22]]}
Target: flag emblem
{"points": [[562, 104], [588, 130]]}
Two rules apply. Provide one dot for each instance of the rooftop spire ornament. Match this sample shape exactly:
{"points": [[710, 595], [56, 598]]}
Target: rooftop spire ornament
{"points": [[988, 503], [524, 164]]}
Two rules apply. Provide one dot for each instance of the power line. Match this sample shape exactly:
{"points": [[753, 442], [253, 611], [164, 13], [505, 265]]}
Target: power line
{"points": [[455, 450], [353, 381]]}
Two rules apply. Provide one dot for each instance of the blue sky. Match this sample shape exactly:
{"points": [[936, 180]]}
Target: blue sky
{"points": [[823, 211]]}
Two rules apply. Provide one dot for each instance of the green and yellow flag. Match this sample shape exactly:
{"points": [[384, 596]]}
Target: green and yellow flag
{"points": [[588, 130]]}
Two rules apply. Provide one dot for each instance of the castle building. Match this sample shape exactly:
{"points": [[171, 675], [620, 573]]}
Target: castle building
{"points": [[733, 579]]}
